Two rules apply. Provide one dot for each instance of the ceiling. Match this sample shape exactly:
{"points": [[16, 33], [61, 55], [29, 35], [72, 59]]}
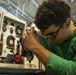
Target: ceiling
{"points": [[26, 9]]}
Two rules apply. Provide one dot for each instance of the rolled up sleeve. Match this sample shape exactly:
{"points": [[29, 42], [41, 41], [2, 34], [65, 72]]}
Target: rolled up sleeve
{"points": [[60, 66]]}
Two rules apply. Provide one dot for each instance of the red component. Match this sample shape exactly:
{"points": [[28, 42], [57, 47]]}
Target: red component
{"points": [[17, 58]]}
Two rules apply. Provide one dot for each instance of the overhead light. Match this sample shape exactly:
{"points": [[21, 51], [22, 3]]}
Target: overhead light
{"points": [[72, 1]]}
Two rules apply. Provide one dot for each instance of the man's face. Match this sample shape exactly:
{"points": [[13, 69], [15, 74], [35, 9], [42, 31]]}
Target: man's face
{"points": [[56, 34]]}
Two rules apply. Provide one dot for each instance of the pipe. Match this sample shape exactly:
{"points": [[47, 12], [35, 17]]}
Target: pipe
{"points": [[35, 3]]}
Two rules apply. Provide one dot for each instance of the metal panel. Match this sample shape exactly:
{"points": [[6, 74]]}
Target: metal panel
{"points": [[32, 66]]}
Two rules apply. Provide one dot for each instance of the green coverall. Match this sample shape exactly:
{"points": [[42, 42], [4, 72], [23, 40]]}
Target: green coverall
{"points": [[62, 60]]}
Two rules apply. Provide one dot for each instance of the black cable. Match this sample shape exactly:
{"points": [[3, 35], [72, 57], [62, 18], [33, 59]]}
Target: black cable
{"points": [[27, 52]]}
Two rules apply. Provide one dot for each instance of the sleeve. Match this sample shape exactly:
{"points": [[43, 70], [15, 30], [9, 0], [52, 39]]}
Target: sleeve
{"points": [[46, 44], [59, 66], [43, 41]]}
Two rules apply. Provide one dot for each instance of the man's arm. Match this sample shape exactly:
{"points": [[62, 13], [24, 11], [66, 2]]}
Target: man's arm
{"points": [[54, 64], [59, 66], [41, 53]]}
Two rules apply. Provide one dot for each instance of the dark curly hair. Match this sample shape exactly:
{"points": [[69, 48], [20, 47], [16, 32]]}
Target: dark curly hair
{"points": [[52, 12]]}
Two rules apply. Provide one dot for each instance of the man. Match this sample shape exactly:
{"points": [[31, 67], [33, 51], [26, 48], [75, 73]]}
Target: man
{"points": [[55, 47]]}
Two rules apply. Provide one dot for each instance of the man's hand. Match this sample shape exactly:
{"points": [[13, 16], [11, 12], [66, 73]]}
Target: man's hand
{"points": [[30, 39], [31, 42]]}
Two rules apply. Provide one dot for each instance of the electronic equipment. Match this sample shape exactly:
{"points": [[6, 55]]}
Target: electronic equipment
{"points": [[9, 39], [12, 30]]}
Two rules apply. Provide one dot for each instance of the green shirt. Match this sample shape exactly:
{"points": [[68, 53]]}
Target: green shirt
{"points": [[62, 60]]}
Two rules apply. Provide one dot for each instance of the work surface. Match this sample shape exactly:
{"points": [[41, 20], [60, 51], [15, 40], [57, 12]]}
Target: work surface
{"points": [[16, 68]]}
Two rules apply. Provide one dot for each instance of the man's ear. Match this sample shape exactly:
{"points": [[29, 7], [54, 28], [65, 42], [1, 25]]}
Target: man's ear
{"points": [[68, 22]]}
